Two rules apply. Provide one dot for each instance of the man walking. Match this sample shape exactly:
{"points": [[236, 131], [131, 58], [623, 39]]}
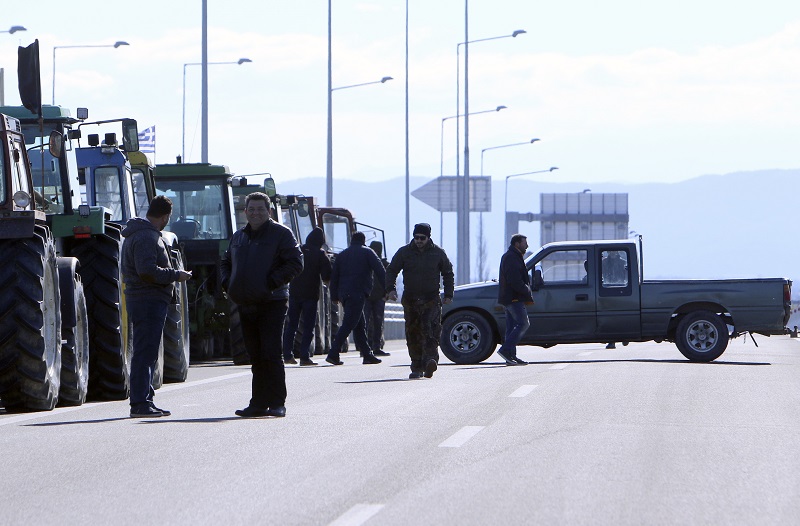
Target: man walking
{"points": [[351, 282], [424, 266], [375, 306], [262, 258], [514, 294], [304, 297], [149, 288]]}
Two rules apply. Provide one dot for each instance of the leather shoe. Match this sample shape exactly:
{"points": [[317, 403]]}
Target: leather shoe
{"points": [[277, 412], [510, 360], [430, 368], [164, 412], [370, 359], [520, 361], [252, 412], [290, 361], [415, 375], [381, 353], [145, 412], [334, 361], [307, 362]]}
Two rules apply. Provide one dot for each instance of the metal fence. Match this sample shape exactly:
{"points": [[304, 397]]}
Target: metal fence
{"points": [[394, 323]]}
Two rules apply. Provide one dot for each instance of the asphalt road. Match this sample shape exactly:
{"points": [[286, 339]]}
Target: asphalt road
{"points": [[583, 435]]}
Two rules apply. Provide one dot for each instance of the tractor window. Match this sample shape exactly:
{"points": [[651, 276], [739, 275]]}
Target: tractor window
{"points": [[3, 190], [139, 192], [198, 210], [45, 168], [337, 232], [107, 191]]}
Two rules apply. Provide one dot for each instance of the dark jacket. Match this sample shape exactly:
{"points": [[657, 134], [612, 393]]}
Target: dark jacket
{"points": [[316, 267], [515, 282], [258, 265], [146, 268], [423, 271], [352, 272]]}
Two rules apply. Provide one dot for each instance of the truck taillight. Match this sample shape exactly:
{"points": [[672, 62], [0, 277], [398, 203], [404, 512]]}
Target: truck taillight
{"points": [[82, 232]]}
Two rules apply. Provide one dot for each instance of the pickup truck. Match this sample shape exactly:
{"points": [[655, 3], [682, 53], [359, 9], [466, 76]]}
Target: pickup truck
{"points": [[593, 292]]}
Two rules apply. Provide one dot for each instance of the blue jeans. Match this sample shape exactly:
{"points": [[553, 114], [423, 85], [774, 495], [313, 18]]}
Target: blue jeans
{"points": [[352, 321], [262, 325], [307, 311], [147, 319], [517, 323]]}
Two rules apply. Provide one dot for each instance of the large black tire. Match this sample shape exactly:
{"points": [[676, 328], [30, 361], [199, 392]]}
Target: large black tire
{"points": [[30, 323], [74, 334], [467, 338], [109, 377], [176, 331], [239, 354], [702, 336]]}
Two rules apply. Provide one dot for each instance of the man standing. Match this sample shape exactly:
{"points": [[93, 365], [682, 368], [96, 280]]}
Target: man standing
{"points": [[514, 294], [304, 297], [375, 306], [262, 258], [424, 266], [149, 288], [351, 282]]}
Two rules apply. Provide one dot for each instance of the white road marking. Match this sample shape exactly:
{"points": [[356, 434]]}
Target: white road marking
{"points": [[357, 515], [523, 391], [587, 353], [165, 389], [559, 366], [460, 437]]}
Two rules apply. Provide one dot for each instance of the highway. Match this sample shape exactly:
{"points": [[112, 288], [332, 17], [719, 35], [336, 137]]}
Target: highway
{"points": [[583, 435]]}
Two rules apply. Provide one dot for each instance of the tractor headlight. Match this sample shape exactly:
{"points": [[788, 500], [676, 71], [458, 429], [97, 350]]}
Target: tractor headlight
{"points": [[22, 199]]}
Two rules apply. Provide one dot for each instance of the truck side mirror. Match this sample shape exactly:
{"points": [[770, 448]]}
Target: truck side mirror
{"points": [[130, 135], [56, 145], [537, 279]]}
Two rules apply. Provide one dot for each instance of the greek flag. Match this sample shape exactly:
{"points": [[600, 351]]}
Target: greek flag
{"points": [[147, 140]]}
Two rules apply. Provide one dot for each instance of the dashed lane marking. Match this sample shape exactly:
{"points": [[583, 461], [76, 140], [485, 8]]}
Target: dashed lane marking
{"points": [[462, 436], [587, 353], [357, 515], [523, 391], [559, 366]]}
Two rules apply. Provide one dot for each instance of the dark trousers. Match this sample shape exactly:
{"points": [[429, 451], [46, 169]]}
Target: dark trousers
{"points": [[517, 323], [262, 326], [147, 319], [352, 321], [373, 312], [423, 330], [305, 310]]}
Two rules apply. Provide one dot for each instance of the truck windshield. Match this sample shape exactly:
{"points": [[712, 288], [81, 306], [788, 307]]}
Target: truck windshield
{"points": [[45, 168], [198, 209]]}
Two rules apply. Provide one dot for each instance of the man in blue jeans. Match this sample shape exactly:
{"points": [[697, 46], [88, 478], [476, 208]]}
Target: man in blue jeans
{"points": [[149, 288], [514, 294]]}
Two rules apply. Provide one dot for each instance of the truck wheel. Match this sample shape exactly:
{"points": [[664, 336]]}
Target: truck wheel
{"points": [[176, 332], [109, 374], [467, 338], [238, 352], [30, 323], [702, 336], [74, 334]]}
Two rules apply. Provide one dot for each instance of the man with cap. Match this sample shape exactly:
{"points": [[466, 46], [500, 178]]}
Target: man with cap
{"points": [[425, 266], [375, 306], [351, 283]]}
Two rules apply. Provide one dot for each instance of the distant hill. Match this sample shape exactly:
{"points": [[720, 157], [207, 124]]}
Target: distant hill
{"points": [[714, 226]]}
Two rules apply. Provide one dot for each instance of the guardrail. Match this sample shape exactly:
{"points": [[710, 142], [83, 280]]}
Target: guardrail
{"points": [[394, 322]]}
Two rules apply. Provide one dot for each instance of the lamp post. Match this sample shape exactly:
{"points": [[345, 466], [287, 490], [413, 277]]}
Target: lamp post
{"points": [[114, 45], [504, 146], [462, 258], [329, 176], [183, 116], [505, 203], [14, 29]]}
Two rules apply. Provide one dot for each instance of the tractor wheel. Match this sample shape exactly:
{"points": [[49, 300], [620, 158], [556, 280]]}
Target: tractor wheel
{"points": [[75, 334], [109, 377], [176, 331], [30, 323]]}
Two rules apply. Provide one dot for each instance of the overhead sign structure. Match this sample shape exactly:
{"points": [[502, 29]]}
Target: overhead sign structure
{"points": [[442, 193]]}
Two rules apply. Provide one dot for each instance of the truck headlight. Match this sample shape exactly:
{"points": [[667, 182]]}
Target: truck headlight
{"points": [[22, 199]]}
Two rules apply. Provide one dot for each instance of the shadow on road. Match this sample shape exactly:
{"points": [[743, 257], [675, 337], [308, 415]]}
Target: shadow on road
{"points": [[160, 420], [98, 421], [384, 380], [635, 360]]}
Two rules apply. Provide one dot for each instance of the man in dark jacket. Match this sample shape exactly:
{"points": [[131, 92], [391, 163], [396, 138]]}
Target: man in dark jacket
{"points": [[514, 294], [262, 258], [375, 306], [425, 266], [149, 287], [304, 297], [351, 282]]}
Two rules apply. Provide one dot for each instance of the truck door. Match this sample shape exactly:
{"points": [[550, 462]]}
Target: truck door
{"points": [[618, 309], [564, 307]]}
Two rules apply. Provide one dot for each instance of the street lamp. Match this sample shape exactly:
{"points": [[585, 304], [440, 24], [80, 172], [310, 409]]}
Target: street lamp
{"points": [[14, 29], [504, 146], [505, 204], [462, 213], [183, 117], [114, 45], [329, 175]]}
